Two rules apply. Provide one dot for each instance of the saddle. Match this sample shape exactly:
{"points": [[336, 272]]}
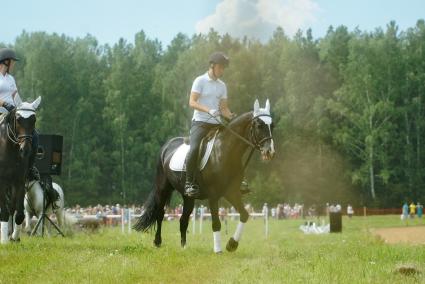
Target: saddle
{"points": [[178, 160]]}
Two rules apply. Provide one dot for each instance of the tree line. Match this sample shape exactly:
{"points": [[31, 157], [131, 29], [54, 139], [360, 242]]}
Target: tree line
{"points": [[347, 108]]}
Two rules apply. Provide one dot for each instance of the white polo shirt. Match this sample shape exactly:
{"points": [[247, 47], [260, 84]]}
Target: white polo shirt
{"points": [[7, 88], [210, 93]]}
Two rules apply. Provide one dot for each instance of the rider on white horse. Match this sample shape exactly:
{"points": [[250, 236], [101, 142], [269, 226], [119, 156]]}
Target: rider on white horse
{"points": [[8, 91]]}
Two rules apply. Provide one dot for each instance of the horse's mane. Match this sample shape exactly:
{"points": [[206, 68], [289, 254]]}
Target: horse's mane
{"points": [[240, 119]]}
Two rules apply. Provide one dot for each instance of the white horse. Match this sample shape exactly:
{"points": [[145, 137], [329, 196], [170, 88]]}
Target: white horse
{"points": [[34, 205]]}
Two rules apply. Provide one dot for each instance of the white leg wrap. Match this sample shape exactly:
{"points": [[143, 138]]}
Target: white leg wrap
{"points": [[217, 241], [238, 233], [17, 232], [4, 232]]}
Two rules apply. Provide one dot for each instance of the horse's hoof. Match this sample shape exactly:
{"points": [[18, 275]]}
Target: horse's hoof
{"points": [[218, 252], [183, 244], [232, 245], [12, 240], [157, 244]]}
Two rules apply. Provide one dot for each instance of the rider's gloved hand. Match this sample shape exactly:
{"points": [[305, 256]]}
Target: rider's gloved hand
{"points": [[214, 112], [8, 106]]}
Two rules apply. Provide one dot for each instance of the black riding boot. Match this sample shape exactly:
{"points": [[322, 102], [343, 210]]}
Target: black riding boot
{"points": [[190, 188]]}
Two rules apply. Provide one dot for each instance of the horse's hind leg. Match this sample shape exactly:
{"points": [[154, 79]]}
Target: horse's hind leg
{"points": [[188, 204], [158, 240], [165, 192]]}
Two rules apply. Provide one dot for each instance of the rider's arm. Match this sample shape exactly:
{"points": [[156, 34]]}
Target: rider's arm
{"points": [[6, 105], [224, 109], [193, 102]]}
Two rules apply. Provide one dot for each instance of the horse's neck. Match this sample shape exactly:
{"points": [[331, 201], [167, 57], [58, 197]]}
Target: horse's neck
{"points": [[234, 145]]}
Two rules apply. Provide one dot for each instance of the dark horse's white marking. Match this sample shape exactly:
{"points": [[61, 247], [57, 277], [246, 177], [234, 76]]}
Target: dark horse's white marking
{"points": [[221, 176]]}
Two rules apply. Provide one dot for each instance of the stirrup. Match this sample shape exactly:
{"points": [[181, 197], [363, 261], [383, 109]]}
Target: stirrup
{"points": [[244, 187], [191, 190]]}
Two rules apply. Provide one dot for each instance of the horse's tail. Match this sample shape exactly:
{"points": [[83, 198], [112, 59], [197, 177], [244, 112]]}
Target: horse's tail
{"points": [[148, 218], [157, 199]]}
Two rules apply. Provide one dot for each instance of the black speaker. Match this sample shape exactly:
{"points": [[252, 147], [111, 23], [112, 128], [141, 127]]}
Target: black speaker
{"points": [[49, 155]]}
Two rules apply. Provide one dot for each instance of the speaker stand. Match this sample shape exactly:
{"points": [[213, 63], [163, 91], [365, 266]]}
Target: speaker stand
{"points": [[45, 182]]}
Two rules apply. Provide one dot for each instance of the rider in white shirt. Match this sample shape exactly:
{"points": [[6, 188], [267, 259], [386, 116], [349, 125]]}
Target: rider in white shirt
{"points": [[8, 90], [208, 98]]}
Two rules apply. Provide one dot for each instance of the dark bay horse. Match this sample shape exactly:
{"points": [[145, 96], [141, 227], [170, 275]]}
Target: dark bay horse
{"points": [[221, 177], [16, 129]]}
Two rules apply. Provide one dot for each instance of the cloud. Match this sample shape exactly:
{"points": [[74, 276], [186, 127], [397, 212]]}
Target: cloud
{"points": [[259, 18]]}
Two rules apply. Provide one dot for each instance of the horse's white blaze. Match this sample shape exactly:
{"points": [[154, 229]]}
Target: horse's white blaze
{"points": [[217, 242], [239, 230], [4, 228], [271, 141]]}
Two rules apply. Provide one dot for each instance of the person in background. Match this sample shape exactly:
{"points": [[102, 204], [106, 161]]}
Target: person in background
{"points": [[350, 211], [412, 210], [419, 210], [405, 211]]}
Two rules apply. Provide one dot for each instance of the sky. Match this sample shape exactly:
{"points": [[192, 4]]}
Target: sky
{"points": [[108, 21]]}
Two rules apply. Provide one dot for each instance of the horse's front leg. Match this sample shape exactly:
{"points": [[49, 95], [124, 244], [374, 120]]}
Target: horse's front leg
{"points": [[4, 217], [20, 215], [236, 201], [216, 225]]}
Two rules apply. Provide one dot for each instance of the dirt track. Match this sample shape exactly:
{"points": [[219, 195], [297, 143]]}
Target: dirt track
{"points": [[411, 235]]}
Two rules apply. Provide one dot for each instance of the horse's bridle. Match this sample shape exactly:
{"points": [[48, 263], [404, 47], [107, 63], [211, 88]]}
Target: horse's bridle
{"points": [[11, 134], [257, 144], [254, 143]]}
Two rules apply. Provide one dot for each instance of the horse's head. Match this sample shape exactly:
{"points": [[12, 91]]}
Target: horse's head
{"points": [[262, 129], [23, 123]]}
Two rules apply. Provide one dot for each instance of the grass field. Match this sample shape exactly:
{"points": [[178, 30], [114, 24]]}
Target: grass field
{"points": [[286, 256]]}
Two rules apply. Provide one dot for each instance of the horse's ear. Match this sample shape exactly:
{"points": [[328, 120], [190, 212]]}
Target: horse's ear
{"points": [[256, 106], [17, 99], [36, 103], [268, 106]]}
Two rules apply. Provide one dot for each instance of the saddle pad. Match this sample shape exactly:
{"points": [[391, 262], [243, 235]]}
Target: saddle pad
{"points": [[178, 160]]}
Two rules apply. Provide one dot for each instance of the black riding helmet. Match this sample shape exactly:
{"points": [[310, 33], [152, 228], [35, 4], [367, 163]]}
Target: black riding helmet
{"points": [[7, 53], [219, 58]]}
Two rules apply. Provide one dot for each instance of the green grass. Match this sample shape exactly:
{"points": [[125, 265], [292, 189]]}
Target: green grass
{"points": [[286, 256]]}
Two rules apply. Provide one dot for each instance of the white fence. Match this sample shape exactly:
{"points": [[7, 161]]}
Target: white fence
{"points": [[125, 218]]}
